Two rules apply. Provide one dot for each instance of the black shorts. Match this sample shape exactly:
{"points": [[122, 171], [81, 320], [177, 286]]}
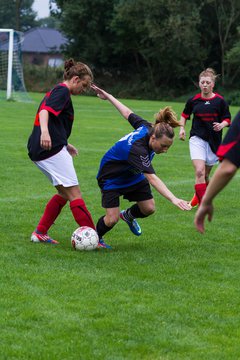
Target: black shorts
{"points": [[138, 192]]}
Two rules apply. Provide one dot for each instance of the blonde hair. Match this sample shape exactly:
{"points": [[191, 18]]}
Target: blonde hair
{"points": [[73, 68], [209, 72], [165, 121]]}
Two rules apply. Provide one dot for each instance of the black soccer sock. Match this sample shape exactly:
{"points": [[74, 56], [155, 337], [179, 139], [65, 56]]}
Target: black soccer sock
{"points": [[102, 228], [134, 212]]}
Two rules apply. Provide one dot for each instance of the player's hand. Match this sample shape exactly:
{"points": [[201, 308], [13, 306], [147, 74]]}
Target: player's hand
{"points": [[202, 212], [218, 126], [182, 204], [100, 92], [72, 150], [182, 133], [45, 141]]}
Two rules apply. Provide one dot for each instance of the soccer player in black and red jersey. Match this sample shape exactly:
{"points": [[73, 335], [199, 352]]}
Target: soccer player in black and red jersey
{"points": [[210, 115], [229, 155], [49, 149]]}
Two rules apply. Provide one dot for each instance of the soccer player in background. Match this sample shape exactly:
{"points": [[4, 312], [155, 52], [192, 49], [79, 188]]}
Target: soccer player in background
{"points": [[229, 155], [49, 149], [210, 115], [126, 168]]}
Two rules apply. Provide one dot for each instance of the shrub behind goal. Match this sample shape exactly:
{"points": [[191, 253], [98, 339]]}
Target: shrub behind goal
{"points": [[12, 85]]}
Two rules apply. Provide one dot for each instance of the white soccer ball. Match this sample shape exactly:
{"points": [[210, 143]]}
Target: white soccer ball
{"points": [[84, 238]]}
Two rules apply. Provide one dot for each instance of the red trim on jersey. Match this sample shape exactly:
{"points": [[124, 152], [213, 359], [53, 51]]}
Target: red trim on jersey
{"points": [[224, 148], [185, 116], [199, 96], [36, 121], [51, 110], [43, 107], [227, 120], [207, 117], [218, 95], [207, 114]]}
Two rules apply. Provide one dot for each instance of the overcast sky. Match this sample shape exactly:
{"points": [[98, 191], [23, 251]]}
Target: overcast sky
{"points": [[41, 7]]}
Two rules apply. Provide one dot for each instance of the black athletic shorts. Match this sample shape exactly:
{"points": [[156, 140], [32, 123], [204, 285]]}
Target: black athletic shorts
{"points": [[138, 192]]}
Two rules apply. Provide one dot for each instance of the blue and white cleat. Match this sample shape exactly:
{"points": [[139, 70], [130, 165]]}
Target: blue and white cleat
{"points": [[103, 245], [133, 225]]}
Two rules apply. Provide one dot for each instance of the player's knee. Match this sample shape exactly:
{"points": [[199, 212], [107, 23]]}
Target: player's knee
{"points": [[149, 210], [111, 220], [200, 173]]}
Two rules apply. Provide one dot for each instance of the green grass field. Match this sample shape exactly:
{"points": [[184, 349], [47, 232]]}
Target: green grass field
{"points": [[170, 294]]}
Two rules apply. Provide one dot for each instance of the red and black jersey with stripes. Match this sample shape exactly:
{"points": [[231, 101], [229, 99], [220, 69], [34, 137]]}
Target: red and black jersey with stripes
{"points": [[230, 147], [205, 112], [58, 103]]}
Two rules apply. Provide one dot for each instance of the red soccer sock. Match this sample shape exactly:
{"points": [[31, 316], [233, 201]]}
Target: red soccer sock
{"points": [[194, 202], [200, 190], [81, 214], [51, 212]]}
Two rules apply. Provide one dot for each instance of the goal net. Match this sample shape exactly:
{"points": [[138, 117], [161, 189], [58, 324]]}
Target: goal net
{"points": [[12, 85]]}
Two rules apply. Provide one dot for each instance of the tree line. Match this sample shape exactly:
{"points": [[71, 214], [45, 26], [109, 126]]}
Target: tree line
{"points": [[154, 48], [19, 15]]}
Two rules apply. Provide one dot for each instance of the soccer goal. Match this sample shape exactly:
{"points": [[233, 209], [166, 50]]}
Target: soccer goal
{"points": [[12, 85]]}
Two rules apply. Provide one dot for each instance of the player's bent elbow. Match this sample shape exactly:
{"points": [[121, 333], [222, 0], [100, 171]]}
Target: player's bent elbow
{"points": [[230, 171], [127, 113]]}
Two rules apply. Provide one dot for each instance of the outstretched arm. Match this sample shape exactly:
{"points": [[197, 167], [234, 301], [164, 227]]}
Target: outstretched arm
{"points": [[124, 110], [220, 179], [164, 191]]}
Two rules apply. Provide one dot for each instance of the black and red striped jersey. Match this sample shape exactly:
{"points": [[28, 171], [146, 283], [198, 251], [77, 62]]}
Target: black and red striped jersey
{"points": [[58, 103], [205, 112], [230, 147]]}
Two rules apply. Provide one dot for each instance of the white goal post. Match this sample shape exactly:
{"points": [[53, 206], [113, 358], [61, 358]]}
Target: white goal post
{"points": [[12, 85]]}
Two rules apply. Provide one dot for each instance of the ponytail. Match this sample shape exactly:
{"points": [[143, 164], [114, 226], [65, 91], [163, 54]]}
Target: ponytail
{"points": [[73, 68], [165, 121]]}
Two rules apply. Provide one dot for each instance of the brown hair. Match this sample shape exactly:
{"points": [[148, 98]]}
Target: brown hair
{"points": [[209, 72], [165, 121], [73, 68]]}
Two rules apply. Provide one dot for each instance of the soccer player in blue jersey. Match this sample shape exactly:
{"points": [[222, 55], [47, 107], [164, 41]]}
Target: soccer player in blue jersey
{"points": [[49, 149], [126, 169], [229, 155], [210, 115]]}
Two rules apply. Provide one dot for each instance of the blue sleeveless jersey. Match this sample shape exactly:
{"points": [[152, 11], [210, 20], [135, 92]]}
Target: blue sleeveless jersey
{"points": [[125, 163]]}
